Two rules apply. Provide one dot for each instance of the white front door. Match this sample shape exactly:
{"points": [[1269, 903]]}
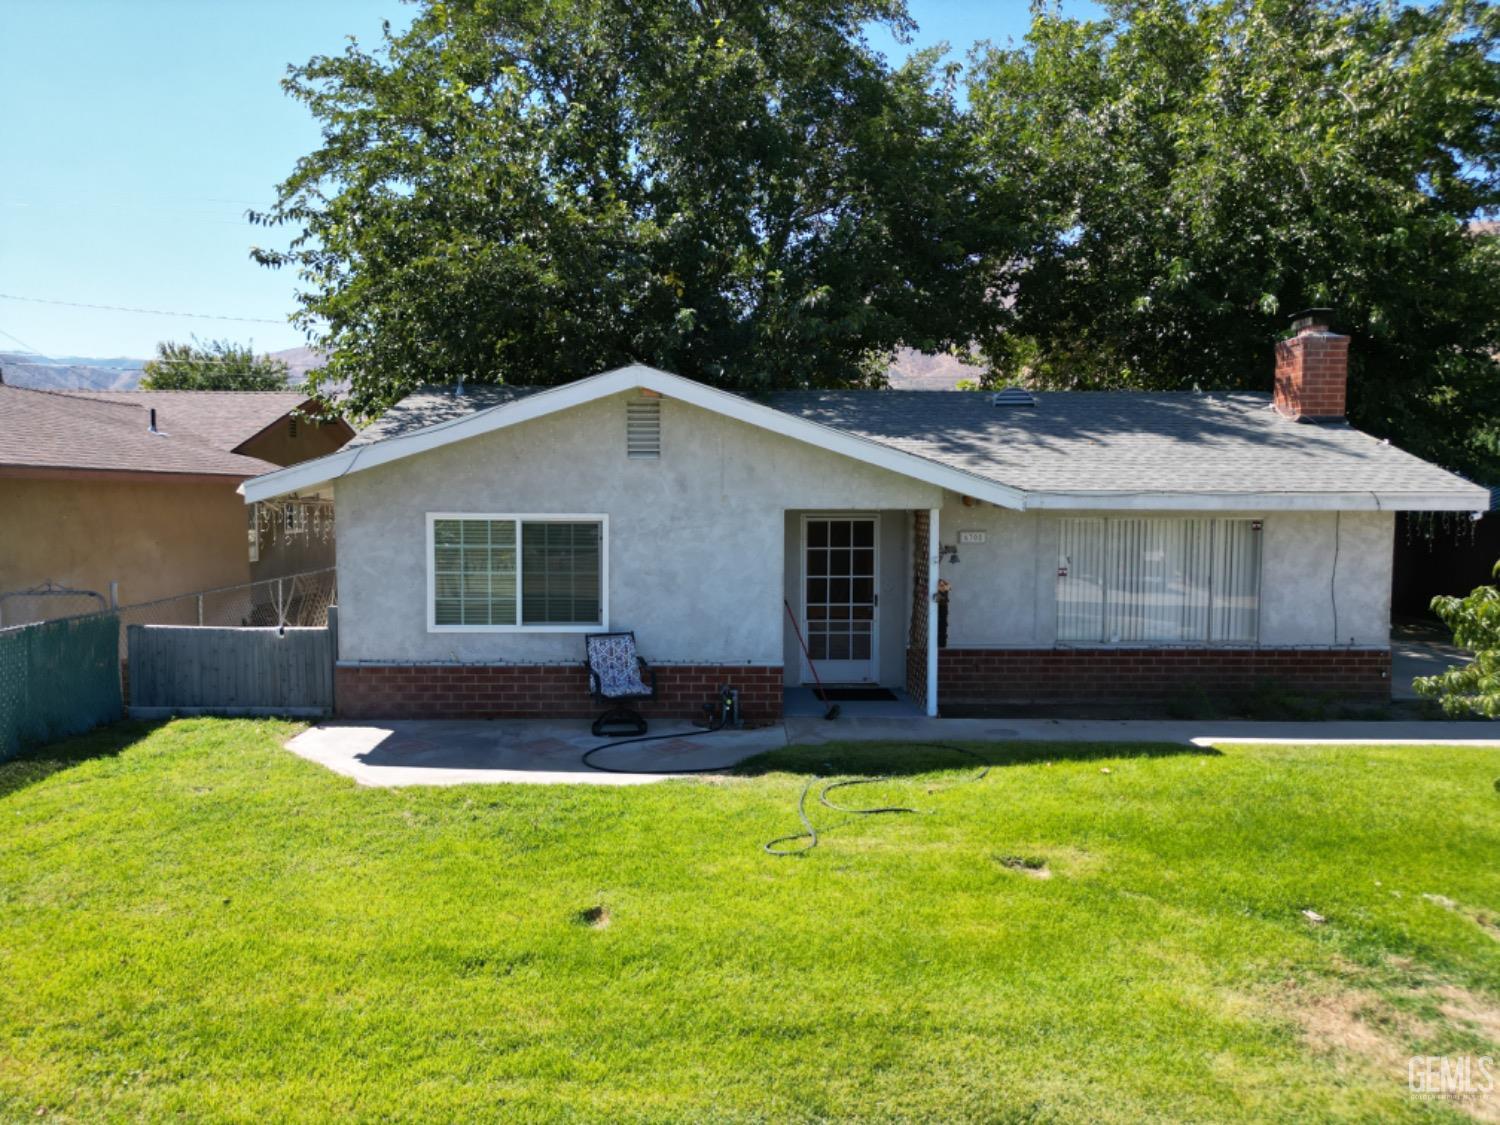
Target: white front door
{"points": [[840, 580]]}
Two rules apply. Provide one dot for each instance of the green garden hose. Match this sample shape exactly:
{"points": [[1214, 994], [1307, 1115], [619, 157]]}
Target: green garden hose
{"points": [[809, 829]]}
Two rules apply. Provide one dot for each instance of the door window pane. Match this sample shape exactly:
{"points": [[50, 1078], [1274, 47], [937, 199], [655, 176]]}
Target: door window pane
{"points": [[839, 594]]}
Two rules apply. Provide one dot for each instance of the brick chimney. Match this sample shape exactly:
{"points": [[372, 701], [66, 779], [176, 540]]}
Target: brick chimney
{"points": [[1312, 370]]}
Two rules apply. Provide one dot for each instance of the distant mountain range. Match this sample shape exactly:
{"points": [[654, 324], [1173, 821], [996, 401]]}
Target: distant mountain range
{"points": [[85, 373], [910, 371]]}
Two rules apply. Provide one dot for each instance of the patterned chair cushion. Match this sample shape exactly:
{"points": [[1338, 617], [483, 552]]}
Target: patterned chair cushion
{"points": [[612, 658]]}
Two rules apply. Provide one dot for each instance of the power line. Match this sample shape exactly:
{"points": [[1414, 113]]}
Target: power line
{"points": [[20, 341], [149, 312]]}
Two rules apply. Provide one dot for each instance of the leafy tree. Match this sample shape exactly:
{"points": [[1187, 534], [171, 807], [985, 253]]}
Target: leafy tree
{"points": [[1473, 688], [741, 192], [1202, 169], [216, 365]]}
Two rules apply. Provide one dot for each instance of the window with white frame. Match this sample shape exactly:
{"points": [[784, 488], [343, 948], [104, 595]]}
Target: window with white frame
{"points": [[516, 572], [1158, 580]]}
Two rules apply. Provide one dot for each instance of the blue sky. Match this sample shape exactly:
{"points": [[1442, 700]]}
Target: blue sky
{"points": [[135, 133]]}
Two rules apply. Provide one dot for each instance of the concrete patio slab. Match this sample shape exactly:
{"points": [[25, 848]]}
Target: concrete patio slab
{"points": [[416, 752], [462, 753]]}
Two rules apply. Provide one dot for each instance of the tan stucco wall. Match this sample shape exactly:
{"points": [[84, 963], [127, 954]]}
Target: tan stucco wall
{"points": [[154, 539]]}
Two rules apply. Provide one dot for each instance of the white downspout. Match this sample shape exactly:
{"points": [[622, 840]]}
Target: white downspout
{"points": [[934, 542]]}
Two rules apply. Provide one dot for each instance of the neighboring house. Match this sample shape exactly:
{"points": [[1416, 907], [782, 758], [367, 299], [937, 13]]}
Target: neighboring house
{"points": [[91, 494], [1097, 545]]}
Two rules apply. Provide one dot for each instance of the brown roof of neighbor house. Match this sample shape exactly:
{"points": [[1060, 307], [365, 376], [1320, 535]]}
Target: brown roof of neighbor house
{"points": [[225, 419], [109, 431]]}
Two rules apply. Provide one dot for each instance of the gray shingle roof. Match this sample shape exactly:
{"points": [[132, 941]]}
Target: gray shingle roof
{"points": [[432, 405], [1082, 441], [105, 432], [1070, 442]]}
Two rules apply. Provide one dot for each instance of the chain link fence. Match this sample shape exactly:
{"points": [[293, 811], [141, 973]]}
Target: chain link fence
{"points": [[57, 678], [297, 599], [48, 602]]}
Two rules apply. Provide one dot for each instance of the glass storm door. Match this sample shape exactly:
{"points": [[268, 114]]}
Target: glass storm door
{"points": [[839, 580]]}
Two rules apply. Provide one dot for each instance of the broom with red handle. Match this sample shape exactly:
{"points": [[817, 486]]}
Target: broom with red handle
{"points": [[833, 710]]}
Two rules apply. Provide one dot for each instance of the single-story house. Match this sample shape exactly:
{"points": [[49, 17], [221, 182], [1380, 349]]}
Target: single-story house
{"points": [[1092, 545], [135, 490]]}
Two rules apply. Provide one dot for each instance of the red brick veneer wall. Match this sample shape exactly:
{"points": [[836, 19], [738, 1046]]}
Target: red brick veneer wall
{"points": [[916, 640], [539, 691], [977, 676]]}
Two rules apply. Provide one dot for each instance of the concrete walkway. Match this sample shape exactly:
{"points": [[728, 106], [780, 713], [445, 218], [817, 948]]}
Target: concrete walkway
{"points": [[1414, 655], [458, 753]]}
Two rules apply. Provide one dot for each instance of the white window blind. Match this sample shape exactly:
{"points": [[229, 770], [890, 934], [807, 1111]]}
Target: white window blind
{"points": [[489, 573], [1154, 580]]}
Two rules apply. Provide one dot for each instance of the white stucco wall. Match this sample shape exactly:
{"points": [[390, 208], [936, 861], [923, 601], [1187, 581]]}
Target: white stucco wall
{"points": [[697, 539], [703, 546], [1003, 590]]}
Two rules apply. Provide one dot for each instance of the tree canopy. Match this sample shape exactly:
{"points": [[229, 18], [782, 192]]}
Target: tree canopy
{"points": [[217, 365], [532, 191], [1195, 172]]}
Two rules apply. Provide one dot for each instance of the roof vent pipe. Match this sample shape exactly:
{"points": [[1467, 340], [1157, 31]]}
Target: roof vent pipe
{"points": [[153, 428]]}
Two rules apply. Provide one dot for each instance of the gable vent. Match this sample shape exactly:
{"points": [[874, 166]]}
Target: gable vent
{"points": [[643, 427], [1013, 396]]}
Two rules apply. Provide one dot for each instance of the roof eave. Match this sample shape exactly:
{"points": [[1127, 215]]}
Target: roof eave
{"points": [[91, 472], [1461, 498]]}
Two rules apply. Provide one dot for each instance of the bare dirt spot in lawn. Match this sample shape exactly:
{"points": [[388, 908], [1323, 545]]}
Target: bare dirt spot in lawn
{"points": [[1365, 1030], [595, 917], [1031, 865], [1351, 1021], [1466, 1008]]}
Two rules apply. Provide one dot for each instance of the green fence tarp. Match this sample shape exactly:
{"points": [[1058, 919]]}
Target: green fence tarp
{"points": [[57, 679]]}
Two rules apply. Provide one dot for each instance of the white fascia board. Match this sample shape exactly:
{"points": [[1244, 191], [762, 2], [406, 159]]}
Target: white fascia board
{"points": [[321, 471], [1461, 498]]}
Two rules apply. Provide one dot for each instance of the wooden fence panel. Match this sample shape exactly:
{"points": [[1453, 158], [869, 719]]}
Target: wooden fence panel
{"points": [[232, 671]]}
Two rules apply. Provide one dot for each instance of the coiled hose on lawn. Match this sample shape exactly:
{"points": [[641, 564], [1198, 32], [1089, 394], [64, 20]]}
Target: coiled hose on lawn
{"points": [[810, 830]]}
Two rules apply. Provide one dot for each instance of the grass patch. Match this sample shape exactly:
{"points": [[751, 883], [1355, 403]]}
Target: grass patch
{"points": [[195, 922]]}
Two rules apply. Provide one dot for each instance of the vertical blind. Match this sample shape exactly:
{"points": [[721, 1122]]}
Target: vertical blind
{"points": [[1158, 580], [486, 572]]}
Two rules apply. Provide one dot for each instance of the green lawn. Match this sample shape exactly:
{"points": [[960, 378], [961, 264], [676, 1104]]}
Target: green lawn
{"points": [[195, 922]]}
